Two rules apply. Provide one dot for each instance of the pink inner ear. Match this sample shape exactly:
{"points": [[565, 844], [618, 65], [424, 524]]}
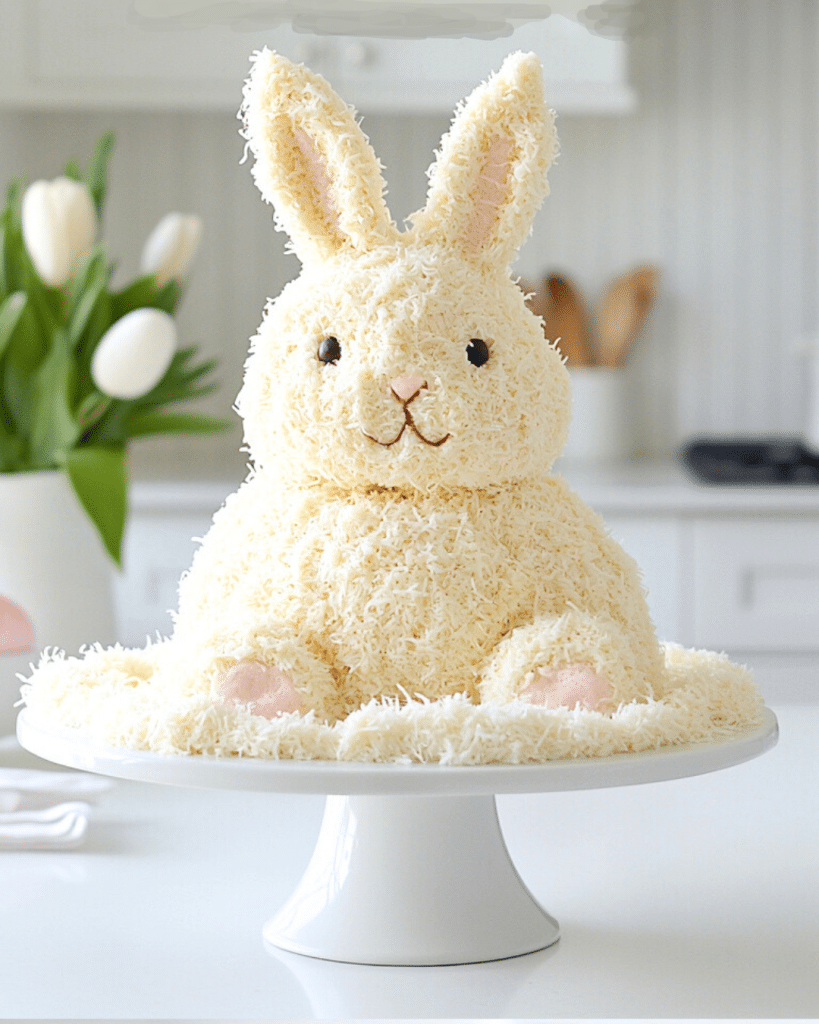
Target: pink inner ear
{"points": [[490, 192], [16, 629], [317, 172]]}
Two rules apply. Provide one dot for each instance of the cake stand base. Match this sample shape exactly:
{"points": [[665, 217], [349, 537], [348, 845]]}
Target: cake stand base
{"points": [[411, 881], [410, 867]]}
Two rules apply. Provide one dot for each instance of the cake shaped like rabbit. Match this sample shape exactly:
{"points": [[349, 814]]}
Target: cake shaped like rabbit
{"points": [[400, 534], [400, 577]]}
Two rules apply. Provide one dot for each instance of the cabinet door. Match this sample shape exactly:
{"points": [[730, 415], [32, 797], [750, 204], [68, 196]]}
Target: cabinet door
{"points": [[582, 72], [88, 53], [93, 53], [756, 584], [158, 549], [656, 544]]}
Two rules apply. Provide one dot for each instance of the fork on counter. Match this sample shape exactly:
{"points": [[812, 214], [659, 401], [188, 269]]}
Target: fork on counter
{"points": [[45, 810], [61, 826]]}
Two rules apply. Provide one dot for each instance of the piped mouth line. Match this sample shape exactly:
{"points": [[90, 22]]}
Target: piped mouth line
{"points": [[408, 422]]}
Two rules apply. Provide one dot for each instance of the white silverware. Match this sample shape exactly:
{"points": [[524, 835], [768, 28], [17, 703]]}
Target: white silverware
{"points": [[58, 827]]}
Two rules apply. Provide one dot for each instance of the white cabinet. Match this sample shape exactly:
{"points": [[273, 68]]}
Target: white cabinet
{"points": [[91, 53], [165, 525], [656, 544], [756, 583], [158, 548]]}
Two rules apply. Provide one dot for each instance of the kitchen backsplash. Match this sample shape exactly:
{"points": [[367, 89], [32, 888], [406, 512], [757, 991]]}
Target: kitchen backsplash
{"points": [[714, 179]]}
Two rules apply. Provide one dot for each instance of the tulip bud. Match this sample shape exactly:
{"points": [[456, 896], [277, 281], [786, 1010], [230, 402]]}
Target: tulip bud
{"points": [[59, 227], [134, 353], [171, 246]]}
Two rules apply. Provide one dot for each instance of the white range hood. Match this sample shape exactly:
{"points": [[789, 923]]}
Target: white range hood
{"points": [[86, 54]]}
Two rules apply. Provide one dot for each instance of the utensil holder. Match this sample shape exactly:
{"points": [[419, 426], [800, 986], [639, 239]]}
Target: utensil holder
{"points": [[600, 430]]}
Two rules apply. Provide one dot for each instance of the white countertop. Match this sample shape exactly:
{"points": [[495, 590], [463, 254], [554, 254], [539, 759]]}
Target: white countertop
{"points": [[692, 898], [626, 487]]}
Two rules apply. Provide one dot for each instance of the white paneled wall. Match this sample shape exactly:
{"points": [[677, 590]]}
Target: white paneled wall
{"points": [[714, 178]]}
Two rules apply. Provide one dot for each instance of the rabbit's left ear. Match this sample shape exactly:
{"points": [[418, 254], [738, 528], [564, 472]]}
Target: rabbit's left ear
{"points": [[490, 175]]}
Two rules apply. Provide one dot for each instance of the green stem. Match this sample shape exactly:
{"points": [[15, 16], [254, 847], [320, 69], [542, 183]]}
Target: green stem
{"points": [[95, 415]]}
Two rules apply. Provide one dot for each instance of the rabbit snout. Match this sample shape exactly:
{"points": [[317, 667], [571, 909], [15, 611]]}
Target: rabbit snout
{"points": [[405, 389]]}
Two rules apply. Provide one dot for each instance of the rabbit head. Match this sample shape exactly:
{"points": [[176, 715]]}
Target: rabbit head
{"points": [[403, 359]]}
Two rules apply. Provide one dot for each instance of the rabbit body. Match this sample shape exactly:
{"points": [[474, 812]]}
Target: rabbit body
{"points": [[399, 533], [379, 593]]}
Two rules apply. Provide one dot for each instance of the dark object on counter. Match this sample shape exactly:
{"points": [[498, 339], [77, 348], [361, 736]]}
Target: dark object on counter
{"points": [[772, 460]]}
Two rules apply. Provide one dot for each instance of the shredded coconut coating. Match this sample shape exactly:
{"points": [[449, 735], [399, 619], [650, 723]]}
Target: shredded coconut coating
{"points": [[401, 554], [109, 697]]}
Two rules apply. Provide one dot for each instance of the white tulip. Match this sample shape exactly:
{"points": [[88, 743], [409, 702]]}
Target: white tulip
{"points": [[59, 227], [134, 353], [171, 247]]}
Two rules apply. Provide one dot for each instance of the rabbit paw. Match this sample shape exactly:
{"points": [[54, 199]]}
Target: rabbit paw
{"points": [[265, 689], [568, 686]]}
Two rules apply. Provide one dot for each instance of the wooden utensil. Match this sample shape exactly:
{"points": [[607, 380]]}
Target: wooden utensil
{"points": [[623, 311], [558, 302]]}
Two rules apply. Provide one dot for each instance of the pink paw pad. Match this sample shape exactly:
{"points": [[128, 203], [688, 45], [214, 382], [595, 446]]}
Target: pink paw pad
{"points": [[268, 691], [568, 686]]}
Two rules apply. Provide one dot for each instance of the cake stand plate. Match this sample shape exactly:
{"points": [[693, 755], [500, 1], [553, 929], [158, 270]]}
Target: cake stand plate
{"points": [[410, 866]]}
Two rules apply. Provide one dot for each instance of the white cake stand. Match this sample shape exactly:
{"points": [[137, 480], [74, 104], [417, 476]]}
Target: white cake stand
{"points": [[410, 866]]}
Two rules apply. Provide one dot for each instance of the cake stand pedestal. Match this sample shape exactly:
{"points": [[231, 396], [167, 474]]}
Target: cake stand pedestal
{"points": [[410, 866]]}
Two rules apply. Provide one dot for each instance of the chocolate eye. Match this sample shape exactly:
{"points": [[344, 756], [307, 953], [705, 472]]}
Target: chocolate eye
{"points": [[329, 351], [477, 351]]}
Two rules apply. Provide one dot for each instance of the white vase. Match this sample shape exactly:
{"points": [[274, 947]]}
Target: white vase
{"points": [[600, 430], [54, 567]]}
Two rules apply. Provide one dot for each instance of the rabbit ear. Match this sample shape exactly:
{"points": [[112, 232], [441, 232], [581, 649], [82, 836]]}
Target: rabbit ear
{"points": [[313, 162], [490, 174]]}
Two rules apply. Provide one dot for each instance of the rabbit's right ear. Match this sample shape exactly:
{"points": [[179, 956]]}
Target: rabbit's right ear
{"points": [[313, 162]]}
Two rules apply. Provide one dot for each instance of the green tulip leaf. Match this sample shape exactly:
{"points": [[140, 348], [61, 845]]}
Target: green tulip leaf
{"points": [[87, 293], [97, 176], [11, 451], [178, 383], [100, 481], [139, 293], [175, 423], [14, 256], [6, 243], [8, 426], [46, 303], [54, 428], [25, 352], [11, 313], [144, 292], [90, 404], [72, 170], [86, 276], [98, 323], [169, 296], [173, 394]]}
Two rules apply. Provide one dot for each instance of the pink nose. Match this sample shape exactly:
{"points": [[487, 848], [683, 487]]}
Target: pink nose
{"points": [[407, 387]]}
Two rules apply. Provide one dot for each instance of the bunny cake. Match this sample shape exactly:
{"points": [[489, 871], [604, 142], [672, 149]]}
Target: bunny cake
{"points": [[400, 577]]}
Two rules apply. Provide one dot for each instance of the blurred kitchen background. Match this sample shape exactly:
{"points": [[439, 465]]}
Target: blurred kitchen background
{"points": [[711, 175], [691, 144]]}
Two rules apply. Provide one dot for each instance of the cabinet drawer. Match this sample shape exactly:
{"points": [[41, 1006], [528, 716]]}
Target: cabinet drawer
{"points": [[756, 584]]}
